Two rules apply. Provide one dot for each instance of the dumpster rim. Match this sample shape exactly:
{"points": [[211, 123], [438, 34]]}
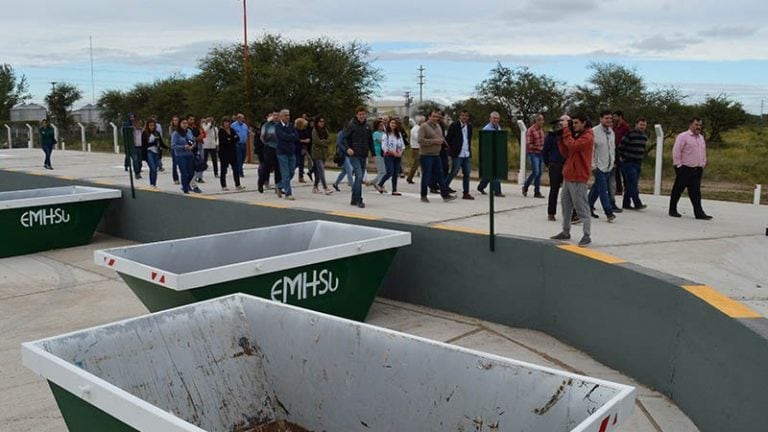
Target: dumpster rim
{"points": [[69, 194], [390, 239], [34, 356]]}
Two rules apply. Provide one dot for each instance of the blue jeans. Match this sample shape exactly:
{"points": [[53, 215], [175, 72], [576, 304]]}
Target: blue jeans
{"points": [[240, 148], [153, 161], [393, 165], [358, 168], [432, 166], [465, 163], [136, 155], [535, 176], [346, 171], [186, 165], [47, 149], [600, 189], [174, 167], [495, 185], [287, 163], [631, 171]]}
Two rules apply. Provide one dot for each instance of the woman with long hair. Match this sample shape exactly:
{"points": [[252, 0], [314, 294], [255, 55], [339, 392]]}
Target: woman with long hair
{"points": [[151, 143], [320, 143], [392, 146], [183, 142], [173, 127], [381, 169], [228, 140]]}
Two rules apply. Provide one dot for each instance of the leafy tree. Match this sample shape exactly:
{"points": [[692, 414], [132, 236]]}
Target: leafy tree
{"points": [[520, 92], [60, 100], [317, 76], [426, 107], [719, 114], [13, 90], [114, 105], [611, 86]]}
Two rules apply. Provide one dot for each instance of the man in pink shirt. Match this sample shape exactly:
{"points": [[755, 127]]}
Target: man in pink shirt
{"points": [[689, 156]]}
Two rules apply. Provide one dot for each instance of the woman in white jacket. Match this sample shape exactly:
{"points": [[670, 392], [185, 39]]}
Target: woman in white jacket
{"points": [[392, 146]]}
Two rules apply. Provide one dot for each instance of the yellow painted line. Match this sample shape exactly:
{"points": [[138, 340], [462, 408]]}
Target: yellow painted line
{"points": [[205, 197], [103, 182], [66, 177], [353, 215], [148, 189], [458, 229], [724, 304], [268, 204], [591, 253]]}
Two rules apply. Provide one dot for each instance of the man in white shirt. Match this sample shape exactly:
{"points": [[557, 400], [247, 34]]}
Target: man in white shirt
{"points": [[459, 140], [603, 161]]}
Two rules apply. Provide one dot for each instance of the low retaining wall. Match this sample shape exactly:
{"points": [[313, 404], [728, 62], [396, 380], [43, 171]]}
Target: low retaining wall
{"points": [[641, 322]]}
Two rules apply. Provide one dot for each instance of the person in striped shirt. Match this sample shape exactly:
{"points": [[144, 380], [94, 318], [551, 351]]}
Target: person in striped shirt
{"points": [[631, 152]]}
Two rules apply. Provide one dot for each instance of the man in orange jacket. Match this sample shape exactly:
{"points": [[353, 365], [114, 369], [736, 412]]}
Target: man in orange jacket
{"points": [[576, 146]]}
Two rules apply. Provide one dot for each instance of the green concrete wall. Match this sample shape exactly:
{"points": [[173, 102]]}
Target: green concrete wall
{"points": [[638, 321]]}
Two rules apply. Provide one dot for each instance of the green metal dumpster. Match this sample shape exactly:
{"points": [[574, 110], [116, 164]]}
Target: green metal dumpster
{"points": [[240, 363], [36, 220], [325, 266]]}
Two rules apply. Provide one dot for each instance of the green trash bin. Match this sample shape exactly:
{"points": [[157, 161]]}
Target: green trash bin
{"points": [[37, 220], [330, 267], [239, 363]]}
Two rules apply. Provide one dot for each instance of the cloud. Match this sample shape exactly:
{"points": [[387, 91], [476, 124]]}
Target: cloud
{"points": [[455, 55], [538, 11], [659, 43], [729, 32]]}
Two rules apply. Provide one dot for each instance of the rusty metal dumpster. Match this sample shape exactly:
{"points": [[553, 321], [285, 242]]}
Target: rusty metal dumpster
{"points": [[325, 266], [36, 220], [239, 363]]}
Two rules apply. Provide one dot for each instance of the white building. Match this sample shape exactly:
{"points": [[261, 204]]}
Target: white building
{"points": [[88, 114], [28, 112]]}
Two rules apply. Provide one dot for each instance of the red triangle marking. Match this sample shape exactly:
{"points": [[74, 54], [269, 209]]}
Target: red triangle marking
{"points": [[162, 279], [604, 424], [154, 275], [111, 262]]}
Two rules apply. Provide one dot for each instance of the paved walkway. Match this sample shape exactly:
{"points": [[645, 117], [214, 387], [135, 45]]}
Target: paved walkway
{"points": [[52, 293], [727, 253]]}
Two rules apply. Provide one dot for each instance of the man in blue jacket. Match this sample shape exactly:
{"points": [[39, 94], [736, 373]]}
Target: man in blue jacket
{"points": [[287, 139], [241, 128]]}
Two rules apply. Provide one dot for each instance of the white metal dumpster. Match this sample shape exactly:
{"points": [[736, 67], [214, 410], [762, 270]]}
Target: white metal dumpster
{"points": [[238, 362]]}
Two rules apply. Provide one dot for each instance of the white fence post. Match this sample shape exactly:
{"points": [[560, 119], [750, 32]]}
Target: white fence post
{"points": [[758, 190], [55, 135], [521, 173], [114, 137], [31, 140], [659, 159], [82, 134], [10, 138]]}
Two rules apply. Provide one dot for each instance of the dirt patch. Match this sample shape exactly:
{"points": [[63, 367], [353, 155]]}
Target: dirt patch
{"points": [[277, 426]]}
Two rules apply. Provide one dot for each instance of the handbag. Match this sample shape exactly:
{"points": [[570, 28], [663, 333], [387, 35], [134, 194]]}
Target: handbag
{"points": [[200, 164]]}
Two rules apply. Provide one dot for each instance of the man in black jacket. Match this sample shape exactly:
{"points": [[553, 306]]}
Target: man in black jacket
{"points": [[357, 143], [459, 140], [287, 139]]}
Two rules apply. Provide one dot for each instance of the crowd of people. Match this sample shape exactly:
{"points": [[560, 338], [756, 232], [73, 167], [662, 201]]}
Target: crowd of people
{"points": [[573, 151]]}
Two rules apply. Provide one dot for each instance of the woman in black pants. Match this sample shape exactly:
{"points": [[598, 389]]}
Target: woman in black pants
{"points": [[228, 140]]}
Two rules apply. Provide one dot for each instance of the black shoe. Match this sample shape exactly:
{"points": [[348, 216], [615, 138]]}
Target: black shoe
{"points": [[675, 214], [335, 186], [585, 241], [627, 207], [525, 191], [410, 181], [595, 215], [353, 203], [261, 188], [616, 210], [433, 191], [641, 207], [704, 217], [481, 190], [561, 236], [611, 217], [451, 191], [447, 198], [538, 195], [499, 195], [361, 204], [424, 199], [200, 180], [161, 169]]}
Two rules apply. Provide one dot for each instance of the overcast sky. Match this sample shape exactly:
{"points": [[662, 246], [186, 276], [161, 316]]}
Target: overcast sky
{"points": [[701, 47]]}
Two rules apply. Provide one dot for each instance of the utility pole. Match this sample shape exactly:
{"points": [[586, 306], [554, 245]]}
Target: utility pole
{"points": [[93, 82], [421, 84], [53, 88], [408, 100], [248, 114]]}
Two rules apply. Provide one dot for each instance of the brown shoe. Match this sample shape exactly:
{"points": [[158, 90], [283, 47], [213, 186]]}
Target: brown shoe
{"points": [[467, 196], [301, 180], [551, 218]]}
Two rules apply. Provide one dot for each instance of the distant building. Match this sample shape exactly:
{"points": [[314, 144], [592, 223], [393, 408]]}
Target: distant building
{"points": [[390, 107], [89, 115], [28, 112]]}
